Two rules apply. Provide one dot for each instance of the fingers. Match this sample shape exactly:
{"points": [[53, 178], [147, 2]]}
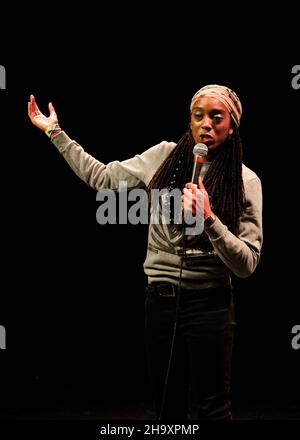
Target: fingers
{"points": [[30, 106], [33, 109], [192, 187], [53, 114], [51, 109], [187, 196], [190, 195], [29, 109], [32, 103], [192, 202], [187, 200]]}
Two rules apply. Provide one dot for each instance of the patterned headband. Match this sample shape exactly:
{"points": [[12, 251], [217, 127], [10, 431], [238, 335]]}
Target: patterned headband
{"points": [[225, 95]]}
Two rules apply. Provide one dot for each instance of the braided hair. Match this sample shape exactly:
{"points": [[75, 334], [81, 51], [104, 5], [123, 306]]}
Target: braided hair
{"points": [[223, 180]]}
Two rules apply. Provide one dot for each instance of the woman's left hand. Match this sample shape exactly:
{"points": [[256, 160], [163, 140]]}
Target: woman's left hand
{"points": [[195, 199]]}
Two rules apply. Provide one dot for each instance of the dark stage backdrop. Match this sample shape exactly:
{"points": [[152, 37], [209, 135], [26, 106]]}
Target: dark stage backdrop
{"points": [[72, 299]]}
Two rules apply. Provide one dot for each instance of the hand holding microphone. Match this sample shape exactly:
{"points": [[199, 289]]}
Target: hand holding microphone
{"points": [[195, 198]]}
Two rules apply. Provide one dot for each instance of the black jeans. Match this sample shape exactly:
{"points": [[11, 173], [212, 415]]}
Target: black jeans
{"points": [[199, 380]]}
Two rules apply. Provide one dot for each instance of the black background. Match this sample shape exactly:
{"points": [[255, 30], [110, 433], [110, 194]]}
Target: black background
{"points": [[73, 291]]}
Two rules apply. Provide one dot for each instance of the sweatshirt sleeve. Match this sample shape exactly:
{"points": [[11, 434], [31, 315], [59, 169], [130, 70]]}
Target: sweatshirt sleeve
{"points": [[137, 171], [241, 253]]}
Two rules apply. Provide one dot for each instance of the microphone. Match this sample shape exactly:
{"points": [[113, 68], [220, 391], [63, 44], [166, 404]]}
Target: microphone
{"points": [[199, 152]]}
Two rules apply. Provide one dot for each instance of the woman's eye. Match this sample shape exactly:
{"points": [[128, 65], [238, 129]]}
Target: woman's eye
{"points": [[198, 115]]}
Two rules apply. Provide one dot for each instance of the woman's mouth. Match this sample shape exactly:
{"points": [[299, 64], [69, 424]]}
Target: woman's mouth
{"points": [[205, 136]]}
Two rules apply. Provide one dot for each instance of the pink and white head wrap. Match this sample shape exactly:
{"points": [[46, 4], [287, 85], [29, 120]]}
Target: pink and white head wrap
{"points": [[225, 95]]}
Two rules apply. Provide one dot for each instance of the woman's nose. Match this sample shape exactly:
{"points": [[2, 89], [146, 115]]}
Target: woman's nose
{"points": [[206, 123]]}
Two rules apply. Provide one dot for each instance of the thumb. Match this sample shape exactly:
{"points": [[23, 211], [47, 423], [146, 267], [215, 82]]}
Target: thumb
{"points": [[52, 110], [200, 184]]}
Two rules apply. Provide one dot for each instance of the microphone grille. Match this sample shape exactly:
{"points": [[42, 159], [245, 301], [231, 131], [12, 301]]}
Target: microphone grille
{"points": [[200, 150]]}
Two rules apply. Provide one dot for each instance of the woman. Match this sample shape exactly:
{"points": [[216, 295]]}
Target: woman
{"points": [[189, 309]]}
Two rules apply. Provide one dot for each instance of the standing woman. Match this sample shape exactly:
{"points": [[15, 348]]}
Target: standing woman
{"points": [[189, 308]]}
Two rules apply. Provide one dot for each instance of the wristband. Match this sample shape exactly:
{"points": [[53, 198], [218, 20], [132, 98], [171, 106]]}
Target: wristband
{"points": [[51, 129], [210, 220]]}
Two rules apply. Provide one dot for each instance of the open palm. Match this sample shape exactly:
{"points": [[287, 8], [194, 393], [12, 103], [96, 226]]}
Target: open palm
{"points": [[36, 116]]}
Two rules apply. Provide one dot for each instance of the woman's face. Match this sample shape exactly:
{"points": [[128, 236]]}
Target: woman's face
{"points": [[210, 122]]}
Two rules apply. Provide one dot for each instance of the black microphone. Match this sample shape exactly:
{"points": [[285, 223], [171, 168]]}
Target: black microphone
{"points": [[199, 152]]}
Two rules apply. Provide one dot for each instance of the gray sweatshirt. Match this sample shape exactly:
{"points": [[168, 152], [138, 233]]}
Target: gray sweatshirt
{"points": [[201, 268]]}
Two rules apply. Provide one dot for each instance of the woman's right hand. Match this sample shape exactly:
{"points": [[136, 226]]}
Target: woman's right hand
{"points": [[37, 118]]}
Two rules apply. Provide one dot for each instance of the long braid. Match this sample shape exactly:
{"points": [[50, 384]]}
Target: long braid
{"points": [[179, 163], [223, 180]]}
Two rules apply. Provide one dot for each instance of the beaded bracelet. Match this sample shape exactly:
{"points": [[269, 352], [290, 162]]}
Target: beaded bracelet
{"points": [[52, 129]]}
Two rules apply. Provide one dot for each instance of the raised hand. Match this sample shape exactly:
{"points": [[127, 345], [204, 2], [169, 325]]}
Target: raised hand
{"points": [[37, 118]]}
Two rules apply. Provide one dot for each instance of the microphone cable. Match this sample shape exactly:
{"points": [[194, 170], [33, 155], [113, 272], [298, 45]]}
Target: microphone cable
{"points": [[164, 395]]}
